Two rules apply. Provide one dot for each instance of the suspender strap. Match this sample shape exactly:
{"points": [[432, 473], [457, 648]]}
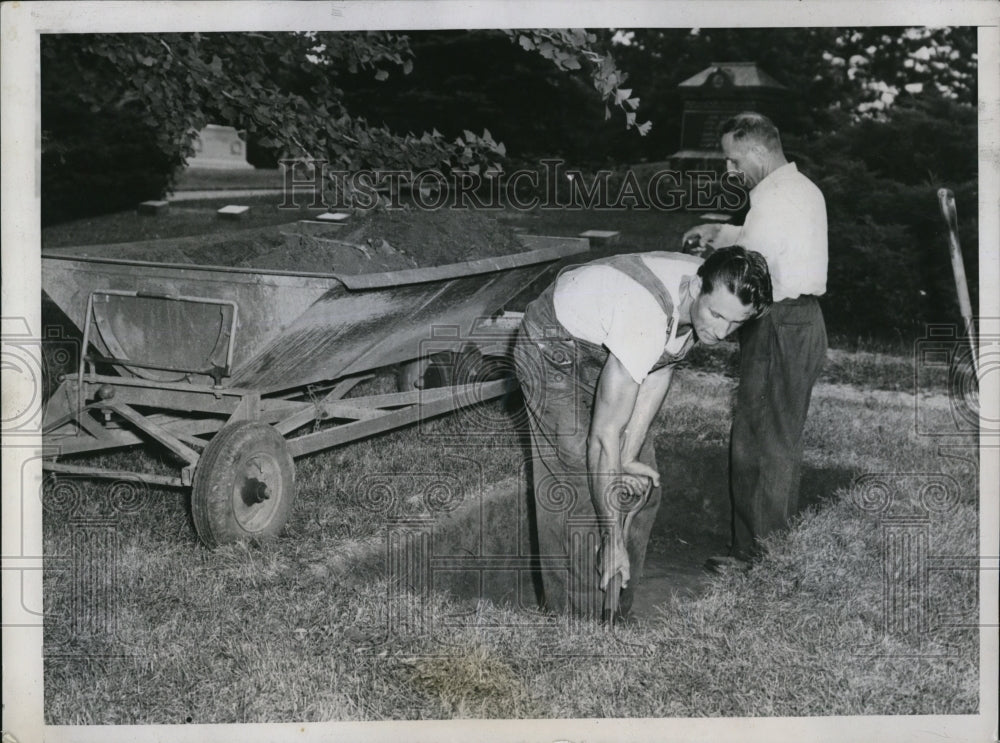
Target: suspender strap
{"points": [[636, 269]]}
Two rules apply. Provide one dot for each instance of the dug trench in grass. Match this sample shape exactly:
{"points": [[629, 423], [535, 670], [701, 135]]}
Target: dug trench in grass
{"points": [[484, 548], [693, 521]]}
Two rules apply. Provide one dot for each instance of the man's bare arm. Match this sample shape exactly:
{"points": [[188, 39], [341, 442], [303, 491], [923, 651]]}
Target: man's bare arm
{"points": [[614, 403], [648, 402]]}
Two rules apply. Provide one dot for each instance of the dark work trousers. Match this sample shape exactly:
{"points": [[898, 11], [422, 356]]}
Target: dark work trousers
{"points": [[558, 376], [781, 356]]}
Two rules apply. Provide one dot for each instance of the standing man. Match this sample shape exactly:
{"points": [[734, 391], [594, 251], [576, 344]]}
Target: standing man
{"points": [[594, 357], [781, 355]]}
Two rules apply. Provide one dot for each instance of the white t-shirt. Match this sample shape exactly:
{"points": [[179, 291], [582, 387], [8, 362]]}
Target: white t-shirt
{"points": [[787, 225], [602, 305]]}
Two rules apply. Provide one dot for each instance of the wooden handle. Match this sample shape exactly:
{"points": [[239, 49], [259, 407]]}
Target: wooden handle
{"points": [[946, 199]]}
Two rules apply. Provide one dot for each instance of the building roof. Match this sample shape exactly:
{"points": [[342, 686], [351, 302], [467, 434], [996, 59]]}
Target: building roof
{"points": [[742, 75]]}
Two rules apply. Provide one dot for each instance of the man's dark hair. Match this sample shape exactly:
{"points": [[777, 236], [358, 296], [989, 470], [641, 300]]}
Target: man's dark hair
{"points": [[743, 272], [755, 127]]}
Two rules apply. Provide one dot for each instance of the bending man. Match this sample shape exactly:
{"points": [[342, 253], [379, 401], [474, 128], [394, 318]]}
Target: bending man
{"points": [[594, 358]]}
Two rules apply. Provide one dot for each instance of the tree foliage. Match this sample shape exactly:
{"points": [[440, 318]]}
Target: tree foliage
{"points": [[833, 75], [570, 49], [283, 89], [889, 264]]}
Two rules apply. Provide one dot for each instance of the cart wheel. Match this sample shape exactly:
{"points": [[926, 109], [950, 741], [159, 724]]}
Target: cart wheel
{"points": [[244, 484]]}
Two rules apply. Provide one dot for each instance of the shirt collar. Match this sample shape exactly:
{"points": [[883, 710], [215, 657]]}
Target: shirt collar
{"points": [[774, 177]]}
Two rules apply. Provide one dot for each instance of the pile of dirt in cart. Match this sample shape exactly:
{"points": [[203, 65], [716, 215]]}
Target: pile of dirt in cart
{"points": [[434, 238], [373, 242], [241, 249]]}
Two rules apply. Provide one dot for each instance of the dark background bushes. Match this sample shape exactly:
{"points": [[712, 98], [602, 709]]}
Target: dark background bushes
{"points": [[97, 162], [890, 271]]}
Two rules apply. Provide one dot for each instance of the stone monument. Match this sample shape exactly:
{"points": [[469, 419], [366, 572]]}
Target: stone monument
{"points": [[219, 148], [712, 96]]}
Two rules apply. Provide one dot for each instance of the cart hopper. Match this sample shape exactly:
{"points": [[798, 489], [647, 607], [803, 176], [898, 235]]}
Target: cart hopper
{"points": [[274, 330]]}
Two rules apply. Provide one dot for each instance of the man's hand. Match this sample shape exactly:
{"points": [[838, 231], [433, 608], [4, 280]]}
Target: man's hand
{"points": [[635, 483], [642, 472], [699, 239], [613, 558]]}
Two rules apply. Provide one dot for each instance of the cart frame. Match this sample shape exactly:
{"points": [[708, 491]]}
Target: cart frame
{"points": [[235, 442]]}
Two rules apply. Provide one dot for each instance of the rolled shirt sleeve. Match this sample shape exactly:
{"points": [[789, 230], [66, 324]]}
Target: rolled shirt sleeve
{"points": [[603, 306]]}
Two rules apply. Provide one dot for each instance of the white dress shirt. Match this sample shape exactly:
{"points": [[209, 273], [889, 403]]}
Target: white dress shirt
{"points": [[787, 225]]}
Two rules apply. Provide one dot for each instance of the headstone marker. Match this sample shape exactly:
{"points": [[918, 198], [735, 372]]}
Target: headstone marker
{"points": [[601, 237], [329, 223], [712, 96], [219, 148], [233, 211], [336, 217], [152, 208]]}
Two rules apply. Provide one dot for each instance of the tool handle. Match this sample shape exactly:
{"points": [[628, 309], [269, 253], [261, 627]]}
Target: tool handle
{"points": [[611, 596], [611, 599], [946, 199]]}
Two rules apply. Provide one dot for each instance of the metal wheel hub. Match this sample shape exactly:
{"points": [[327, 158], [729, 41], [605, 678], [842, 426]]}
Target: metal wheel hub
{"points": [[256, 482]]}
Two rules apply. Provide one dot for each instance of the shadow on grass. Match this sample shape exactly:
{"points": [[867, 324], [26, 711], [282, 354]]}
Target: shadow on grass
{"points": [[483, 552]]}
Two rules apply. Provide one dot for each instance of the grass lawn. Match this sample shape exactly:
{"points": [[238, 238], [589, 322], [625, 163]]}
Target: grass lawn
{"points": [[201, 179], [145, 625], [182, 219], [299, 628]]}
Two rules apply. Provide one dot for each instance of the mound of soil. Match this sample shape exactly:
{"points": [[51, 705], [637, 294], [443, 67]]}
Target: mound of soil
{"points": [[434, 238], [374, 242]]}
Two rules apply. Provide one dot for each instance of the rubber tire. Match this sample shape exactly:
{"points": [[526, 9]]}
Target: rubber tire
{"points": [[217, 490]]}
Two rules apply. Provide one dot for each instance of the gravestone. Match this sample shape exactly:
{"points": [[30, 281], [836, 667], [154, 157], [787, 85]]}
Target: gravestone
{"points": [[712, 96], [233, 211], [152, 208], [602, 237], [219, 148], [333, 217], [327, 224]]}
